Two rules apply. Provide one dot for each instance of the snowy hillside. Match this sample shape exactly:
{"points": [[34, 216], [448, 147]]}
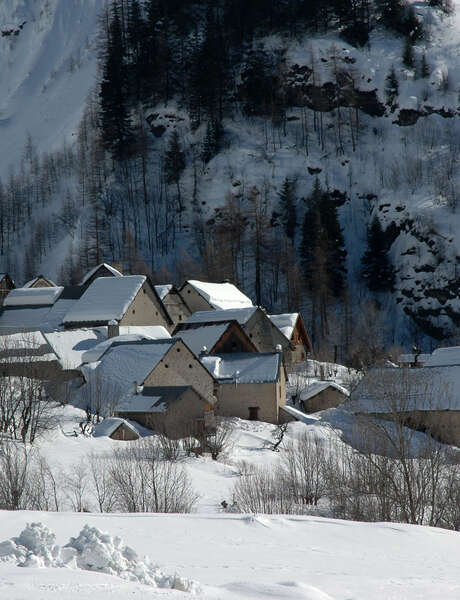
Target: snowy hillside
{"points": [[47, 68]]}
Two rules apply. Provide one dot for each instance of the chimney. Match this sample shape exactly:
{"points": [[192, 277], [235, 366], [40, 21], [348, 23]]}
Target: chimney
{"points": [[135, 390], [203, 351], [279, 348], [113, 329]]}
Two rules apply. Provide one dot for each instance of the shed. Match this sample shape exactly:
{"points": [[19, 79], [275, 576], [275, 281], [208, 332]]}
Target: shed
{"points": [[116, 429], [320, 395]]}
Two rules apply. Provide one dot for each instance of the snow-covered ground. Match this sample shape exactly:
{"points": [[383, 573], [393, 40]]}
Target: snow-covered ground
{"points": [[239, 557]]}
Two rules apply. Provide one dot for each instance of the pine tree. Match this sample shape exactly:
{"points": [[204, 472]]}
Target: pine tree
{"points": [[424, 68], [287, 207], [115, 121], [408, 54], [377, 269], [174, 162], [212, 140], [391, 89]]}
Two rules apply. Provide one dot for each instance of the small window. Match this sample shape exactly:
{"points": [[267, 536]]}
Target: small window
{"points": [[144, 290], [134, 311], [177, 349], [156, 313], [190, 366], [188, 291], [250, 335], [253, 413], [180, 317], [166, 366]]}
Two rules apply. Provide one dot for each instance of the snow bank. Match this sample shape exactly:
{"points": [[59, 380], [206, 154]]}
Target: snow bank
{"points": [[91, 550]]}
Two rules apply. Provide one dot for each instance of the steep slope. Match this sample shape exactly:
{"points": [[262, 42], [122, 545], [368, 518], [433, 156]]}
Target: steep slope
{"points": [[47, 67]]}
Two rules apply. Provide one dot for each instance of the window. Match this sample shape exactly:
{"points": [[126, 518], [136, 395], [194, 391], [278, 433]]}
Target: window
{"points": [[253, 413], [190, 366], [134, 311], [177, 349]]}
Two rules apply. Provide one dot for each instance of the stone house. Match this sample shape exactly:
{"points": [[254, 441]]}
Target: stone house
{"points": [[203, 295], [128, 300], [6, 285], [320, 395], [176, 411], [256, 324], [227, 336], [425, 399], [102, 270], [173, 302], [31, 309], [292, 327], [250, 386]]}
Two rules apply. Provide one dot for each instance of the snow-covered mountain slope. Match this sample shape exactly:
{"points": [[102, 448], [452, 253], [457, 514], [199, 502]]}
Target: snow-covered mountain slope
{"points": [[47, 67]]}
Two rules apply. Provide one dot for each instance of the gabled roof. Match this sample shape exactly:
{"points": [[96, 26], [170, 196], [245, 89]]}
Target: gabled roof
{"points": [[106, 298], [220, 295], [44, 296], [90, 273], [6, 276], [242, 315], [163, 290], [199, 335], [316, 387], [244, 367], [287, 323], [33, 281], [96, 351], [110, 424], [125, 362], [71, 345]]}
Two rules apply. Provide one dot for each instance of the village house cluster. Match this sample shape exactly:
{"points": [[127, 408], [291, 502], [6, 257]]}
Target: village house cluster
{"points": [[165, 358]]}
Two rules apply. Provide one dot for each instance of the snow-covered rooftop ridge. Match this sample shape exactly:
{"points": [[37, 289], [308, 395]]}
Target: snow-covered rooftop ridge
{"points": [[244, 367], [285, 323], [221, 295], [106, 298], [163, 290], [96, 352], [45, 296], [316, 387], [111, 424], [444, 357], [30, 283], [390, 390], [242, 315], [197, 338], [90, 273]]}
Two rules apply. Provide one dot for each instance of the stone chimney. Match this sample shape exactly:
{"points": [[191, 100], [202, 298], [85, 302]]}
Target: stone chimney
{"points": [[113, 329], [135, 390]]}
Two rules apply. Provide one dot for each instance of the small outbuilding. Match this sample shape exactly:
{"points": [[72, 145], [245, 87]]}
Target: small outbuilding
{"points": [[116, 429], [321, 395], [204, 295]]}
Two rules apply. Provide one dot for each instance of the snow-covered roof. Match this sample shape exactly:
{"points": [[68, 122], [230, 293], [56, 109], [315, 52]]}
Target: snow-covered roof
{"points": [[296, 413], [154, 332], [124, 363], [31, 282], [106, 298], [72, 344], [410, 358], [221, 295], [163, 290], [26, 347], [316, 387], [244, 367], [45, 296], [285, 323], [98, 350], [208, 336], [90, 273], [242, 315], [444, 357], [111, 424], [405, 390]]}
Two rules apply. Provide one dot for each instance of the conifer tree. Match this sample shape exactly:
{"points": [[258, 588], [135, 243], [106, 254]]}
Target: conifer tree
{"points": [[424, 68], [391, 88], [377, 269], [115, 121], [287, 207], [408, 54]]}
